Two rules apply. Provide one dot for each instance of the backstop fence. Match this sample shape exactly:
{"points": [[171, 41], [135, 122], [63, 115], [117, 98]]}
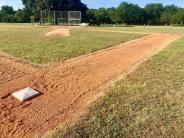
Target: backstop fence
{"points": [[49, 17]]}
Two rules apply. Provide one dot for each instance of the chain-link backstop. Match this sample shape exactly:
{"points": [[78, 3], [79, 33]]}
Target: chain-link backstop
{"points": [[49, 17]]}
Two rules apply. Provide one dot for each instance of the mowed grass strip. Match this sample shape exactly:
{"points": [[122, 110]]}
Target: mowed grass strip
{"points": [[30, 43], [148, 103]]}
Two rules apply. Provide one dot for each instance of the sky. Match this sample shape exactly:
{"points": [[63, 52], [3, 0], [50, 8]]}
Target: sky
{"points": [[103, 3]]}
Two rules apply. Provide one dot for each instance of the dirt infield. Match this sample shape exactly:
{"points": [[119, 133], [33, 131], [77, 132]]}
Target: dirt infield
{"points": [[67, 88], [59, 31]]}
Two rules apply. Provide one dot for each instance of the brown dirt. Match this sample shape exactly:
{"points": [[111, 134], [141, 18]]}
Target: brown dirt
{"points": [[59, 31], [68, 88]]}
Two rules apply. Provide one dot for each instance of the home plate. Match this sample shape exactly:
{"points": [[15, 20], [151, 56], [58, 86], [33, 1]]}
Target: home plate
{"points": [[25, 94]]}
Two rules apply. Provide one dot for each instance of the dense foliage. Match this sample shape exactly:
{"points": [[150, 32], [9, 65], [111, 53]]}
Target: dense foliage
{"points": [[128, 13], [125, 13], [32, 8]]}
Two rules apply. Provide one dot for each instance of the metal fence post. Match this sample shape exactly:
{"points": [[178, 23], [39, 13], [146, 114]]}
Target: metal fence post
{"points": [[54, 17], [41, 17]]}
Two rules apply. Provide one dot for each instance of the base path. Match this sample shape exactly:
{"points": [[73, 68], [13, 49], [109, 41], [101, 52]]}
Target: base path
{"points": [[68, 88]]}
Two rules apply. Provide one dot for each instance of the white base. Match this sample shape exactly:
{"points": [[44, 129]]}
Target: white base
{"points": [[25, 94], [84, 24]]}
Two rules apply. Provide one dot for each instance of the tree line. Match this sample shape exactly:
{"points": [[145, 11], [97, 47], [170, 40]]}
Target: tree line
{"points": [[128, 13], [32, 9], [125, 13]]}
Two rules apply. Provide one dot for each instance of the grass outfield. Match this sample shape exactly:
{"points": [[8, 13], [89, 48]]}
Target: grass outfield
{"points": [[148, 29], [29, 43], [148, 103]]}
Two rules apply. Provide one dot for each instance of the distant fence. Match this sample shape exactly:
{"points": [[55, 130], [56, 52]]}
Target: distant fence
{"points": [[49, 17]]}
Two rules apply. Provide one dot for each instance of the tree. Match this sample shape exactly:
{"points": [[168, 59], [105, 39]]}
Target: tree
{"points": [[7, 9], [19, 16], [22, 16], [178, 18], [154, 12], [167, 15], [8, 18], [166, 18], [102, 16], [171, 9], [91, 15], [7, 14], [35, 6], [129, 13], [112, 13]]}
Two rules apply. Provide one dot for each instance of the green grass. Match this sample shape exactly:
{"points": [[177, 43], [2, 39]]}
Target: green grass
{"points": [[148, 103], [29, 42], [148, 29]]}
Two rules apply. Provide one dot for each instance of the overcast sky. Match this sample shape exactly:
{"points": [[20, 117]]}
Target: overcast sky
{"points": [[103, 3]]}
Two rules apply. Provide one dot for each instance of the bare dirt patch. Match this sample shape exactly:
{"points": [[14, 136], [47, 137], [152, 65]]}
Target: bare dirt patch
{"points": [[67, 88], [59, 31]]}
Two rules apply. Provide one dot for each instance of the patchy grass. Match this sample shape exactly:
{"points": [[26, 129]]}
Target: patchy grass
{"points": [[29, 42], [148, 103]]}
